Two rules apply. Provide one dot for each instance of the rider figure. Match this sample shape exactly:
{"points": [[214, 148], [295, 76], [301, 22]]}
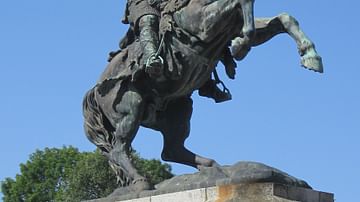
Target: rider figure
{"points": [[143, 17]]}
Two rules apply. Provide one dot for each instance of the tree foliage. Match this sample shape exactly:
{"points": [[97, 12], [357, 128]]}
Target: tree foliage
{"points": [[69, 175]]}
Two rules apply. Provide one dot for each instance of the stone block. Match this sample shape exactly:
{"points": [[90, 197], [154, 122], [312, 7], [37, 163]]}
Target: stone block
{"points": [[249, 192]]}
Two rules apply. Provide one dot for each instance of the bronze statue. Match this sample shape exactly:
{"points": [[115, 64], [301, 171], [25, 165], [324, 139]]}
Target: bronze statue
{"points": [[171, 50]]}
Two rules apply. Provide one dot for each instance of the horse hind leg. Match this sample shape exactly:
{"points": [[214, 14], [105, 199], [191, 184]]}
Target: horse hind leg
{"points": [[175, 127], [266, 28], [129, 111]]}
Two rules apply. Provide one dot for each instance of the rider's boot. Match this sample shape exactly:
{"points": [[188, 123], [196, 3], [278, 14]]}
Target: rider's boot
{"points": [[211, 90], [149, 41]]}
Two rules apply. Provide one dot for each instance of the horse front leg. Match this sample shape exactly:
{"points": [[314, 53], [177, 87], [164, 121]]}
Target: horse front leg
{"points": [[248, 28], [175, 127], [267, 28], [209, 18]]}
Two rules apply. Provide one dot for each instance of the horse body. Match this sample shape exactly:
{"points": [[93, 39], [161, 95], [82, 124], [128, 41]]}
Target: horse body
{"points": [[125, 98]]}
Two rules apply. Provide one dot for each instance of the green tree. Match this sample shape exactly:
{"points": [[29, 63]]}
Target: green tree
{"points": [[91, 178], [69, 175], [42, 176]]}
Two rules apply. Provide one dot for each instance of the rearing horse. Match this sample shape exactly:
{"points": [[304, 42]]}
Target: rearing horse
{"points": [[126, 98]]}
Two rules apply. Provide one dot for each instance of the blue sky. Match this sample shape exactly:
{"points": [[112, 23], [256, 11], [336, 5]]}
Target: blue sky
{"points": [[304, 123]]}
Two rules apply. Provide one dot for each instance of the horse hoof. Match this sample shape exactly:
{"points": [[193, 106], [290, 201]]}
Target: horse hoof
{"points": [[210, 164], [141, 184], [136, 186], [312, 62], [215, 164]]}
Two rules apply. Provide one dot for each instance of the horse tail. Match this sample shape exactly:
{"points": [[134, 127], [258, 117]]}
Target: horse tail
{"points": [[97, 127], [100, 132]]}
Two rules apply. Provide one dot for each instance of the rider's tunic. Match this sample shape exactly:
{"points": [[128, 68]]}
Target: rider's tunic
{"points": [[177, 51]]}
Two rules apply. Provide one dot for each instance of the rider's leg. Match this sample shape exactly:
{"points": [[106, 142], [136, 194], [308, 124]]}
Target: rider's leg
{"points": [[149, 41], [175, 127], [130, 110]]}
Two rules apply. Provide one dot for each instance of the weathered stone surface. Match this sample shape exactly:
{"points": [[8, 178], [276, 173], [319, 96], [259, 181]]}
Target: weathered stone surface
{"points": [[241, 172], [244, 192], [238, 178]]}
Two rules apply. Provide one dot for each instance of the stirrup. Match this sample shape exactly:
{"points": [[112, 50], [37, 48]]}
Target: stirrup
{"points": [[155, 56]]}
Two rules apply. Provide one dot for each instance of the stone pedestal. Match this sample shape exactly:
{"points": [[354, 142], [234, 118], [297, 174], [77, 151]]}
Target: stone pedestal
{"points": [[255, 192], [243, 182]]}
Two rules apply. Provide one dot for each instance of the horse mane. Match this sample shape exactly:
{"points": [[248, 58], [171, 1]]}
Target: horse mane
{"points": [[172, 6]]}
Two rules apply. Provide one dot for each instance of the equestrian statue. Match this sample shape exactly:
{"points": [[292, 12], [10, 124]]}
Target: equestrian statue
{"points": [[170, 50]]}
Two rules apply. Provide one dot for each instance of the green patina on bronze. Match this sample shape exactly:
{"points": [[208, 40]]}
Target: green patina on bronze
{"points": [[171, 50]]}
